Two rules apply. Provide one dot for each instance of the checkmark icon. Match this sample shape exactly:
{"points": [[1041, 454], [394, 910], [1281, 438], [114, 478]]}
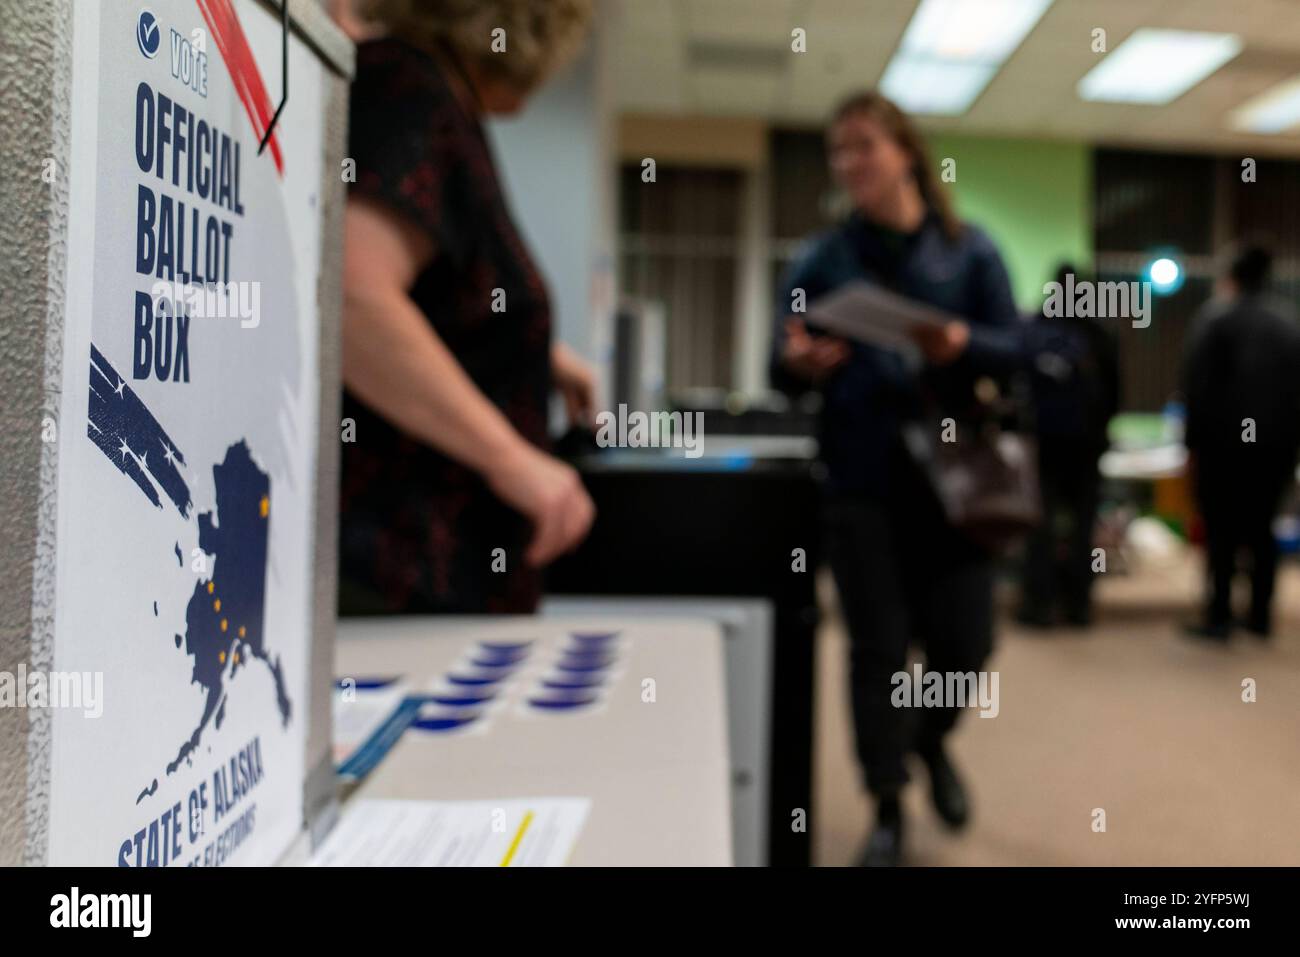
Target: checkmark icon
{"points": [[148, 34]]}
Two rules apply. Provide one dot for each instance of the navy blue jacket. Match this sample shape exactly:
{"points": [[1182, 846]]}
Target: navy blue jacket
{"points": [[867, 400]]}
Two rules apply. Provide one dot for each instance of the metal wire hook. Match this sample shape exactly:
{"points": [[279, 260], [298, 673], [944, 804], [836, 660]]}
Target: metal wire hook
{"points": [[284, 75]]}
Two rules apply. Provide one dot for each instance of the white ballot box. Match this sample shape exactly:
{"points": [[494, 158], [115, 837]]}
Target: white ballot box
{"points": [[170, 418]]}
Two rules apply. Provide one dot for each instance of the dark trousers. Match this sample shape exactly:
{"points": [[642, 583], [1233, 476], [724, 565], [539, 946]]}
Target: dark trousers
{"points": [[1238, 499], [1057, 570], [903, 576]]}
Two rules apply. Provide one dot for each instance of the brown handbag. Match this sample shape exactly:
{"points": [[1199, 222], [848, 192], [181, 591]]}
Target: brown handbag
{"points": [[986, 477]]}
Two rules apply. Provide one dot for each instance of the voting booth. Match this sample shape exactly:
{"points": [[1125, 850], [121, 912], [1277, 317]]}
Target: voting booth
{"points": [[169, 321]]}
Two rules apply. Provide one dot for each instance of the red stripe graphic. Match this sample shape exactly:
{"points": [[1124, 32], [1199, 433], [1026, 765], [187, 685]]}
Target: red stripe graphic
{"points": [[224, 26]]}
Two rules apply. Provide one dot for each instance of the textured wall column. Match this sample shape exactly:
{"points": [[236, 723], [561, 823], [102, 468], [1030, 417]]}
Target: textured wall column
{"points": [[35, 103], [35, 96]]}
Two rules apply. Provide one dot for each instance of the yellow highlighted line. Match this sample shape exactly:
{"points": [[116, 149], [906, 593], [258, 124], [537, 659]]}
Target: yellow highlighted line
{"points": [[519, 836]]}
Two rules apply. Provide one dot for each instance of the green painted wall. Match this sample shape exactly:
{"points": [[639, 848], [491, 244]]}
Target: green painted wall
{"points": [[1033, 197]]}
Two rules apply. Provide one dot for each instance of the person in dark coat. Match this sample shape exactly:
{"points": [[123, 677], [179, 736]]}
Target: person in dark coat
{"points": [[1073, 369], [1242, 384], [903, 572]]}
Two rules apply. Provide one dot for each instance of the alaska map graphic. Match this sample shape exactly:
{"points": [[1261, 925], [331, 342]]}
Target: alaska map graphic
{"points": [[224, 615]]}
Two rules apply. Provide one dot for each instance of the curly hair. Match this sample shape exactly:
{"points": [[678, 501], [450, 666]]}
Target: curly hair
{"points": [[539, 35]]}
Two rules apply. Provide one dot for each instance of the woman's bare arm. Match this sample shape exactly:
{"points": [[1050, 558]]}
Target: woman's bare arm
{"points": [[395, 363]]}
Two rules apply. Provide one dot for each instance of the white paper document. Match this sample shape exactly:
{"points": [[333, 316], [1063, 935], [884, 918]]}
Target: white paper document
{"points": [[868, 313], [528, 832]]}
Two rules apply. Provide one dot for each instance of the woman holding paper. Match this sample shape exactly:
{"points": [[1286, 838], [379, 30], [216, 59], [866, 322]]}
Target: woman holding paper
{"points": [[450, 501], [903, 573]]}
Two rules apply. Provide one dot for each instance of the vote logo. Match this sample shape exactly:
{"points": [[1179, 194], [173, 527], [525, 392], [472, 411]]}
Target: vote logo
{"points": [[148, 35]]}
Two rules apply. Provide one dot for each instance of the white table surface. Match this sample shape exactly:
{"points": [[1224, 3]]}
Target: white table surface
{"points": [[657, 773]]}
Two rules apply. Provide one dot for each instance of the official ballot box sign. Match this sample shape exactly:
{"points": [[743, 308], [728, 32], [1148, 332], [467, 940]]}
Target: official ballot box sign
{"points": [[188, 453]]}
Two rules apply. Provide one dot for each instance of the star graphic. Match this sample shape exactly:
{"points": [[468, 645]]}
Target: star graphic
{"points": [[168, 455], [121, 384], [125, 449]]}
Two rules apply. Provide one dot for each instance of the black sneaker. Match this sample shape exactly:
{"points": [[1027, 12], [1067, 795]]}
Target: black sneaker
{"points": [[884, 844], [1262, 630], [1208, 631], [946, 790], [1032, 616], [1078, 617]]}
